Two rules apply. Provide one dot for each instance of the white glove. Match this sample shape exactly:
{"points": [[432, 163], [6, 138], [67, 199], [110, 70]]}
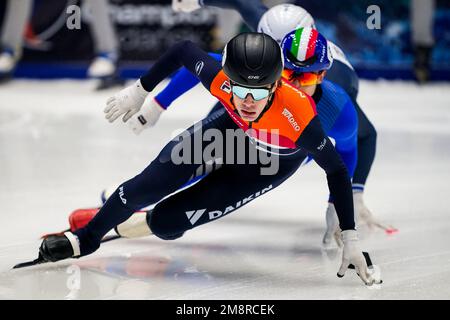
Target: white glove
{"points": [[127, 101], [185, 5], [365, 217], [333, 231], [352, 254], [147, 117]]}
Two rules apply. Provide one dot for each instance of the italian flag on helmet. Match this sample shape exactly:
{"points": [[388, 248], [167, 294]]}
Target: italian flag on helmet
{"points": [[306, 50]]}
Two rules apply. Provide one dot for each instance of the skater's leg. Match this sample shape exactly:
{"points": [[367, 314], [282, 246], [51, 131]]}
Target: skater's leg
{"points": [[16, 17], [367, 144], [215, 196], [161, 178], [103, 32], [105, 40]]}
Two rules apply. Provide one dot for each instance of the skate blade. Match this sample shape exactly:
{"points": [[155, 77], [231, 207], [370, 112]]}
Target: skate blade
{"points": [[109, 82], [41, 260], [35, 262]]}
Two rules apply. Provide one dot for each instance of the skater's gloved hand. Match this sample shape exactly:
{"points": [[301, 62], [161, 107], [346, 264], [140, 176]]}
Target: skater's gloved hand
{"points": [[185, 5], [147, 116], [127, 101], [364, 216], [333, 232], [352, 254]]}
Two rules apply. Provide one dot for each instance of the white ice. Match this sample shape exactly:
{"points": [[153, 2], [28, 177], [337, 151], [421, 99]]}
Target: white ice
{"points": [[57, 153]]}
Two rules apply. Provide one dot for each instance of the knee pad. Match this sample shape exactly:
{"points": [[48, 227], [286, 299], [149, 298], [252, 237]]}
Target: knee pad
{"points": [[170, 237], [161, 230]]}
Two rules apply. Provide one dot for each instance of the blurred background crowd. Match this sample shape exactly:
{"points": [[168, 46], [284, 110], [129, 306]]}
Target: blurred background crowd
{"points": [[117, 39]]}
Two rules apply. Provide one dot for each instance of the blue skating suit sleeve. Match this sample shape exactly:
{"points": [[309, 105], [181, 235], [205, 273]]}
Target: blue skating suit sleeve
{"points": [[180, 83], [339, 119]]}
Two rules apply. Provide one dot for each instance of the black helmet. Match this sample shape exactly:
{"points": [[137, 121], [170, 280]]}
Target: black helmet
{"points": [[252, 59]]}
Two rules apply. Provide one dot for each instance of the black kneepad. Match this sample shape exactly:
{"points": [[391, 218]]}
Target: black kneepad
{"points": [[159, 230]]}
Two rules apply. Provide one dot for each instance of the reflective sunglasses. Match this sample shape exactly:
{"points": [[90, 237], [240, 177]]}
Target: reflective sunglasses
{"points": [[257, 93], [304, 78]]}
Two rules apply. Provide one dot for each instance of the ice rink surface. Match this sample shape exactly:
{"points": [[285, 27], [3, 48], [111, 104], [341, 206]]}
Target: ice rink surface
{"points": [[57, 153]]}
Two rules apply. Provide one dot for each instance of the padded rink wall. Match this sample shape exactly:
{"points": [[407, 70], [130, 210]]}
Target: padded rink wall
{"points": [[147, 28]]}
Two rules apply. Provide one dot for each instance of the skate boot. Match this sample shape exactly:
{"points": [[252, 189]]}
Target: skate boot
{"points": [[104, 68], [7, 64], [422, 55], [59, 247]]}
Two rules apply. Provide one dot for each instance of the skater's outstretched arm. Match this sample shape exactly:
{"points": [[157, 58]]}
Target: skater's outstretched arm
{"points": [[315, 141], [185, 53], [153, 107], [180, 83]]}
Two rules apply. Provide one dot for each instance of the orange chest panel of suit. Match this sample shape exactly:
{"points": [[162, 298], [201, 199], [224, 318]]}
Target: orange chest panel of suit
{"points": [[281, 124]]}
